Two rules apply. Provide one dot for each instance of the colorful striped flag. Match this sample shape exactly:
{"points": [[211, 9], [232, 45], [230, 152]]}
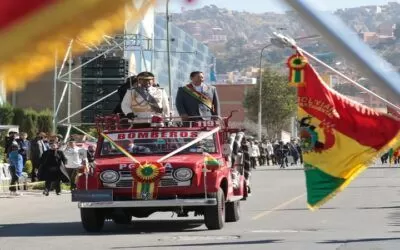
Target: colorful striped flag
{"points": [[32, 31], [209, 160], [339, 136]]}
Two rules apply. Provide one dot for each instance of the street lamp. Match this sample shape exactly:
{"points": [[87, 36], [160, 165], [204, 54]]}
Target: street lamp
{"points": [[281, 42], [169, 59], [260, 94]]}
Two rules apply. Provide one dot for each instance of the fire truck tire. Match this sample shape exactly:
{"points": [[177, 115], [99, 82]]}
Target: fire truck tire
{"points": [[214, 216], [92, 219], [232, 213]]}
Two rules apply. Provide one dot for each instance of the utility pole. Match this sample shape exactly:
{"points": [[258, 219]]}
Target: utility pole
{"points": [[169, 59]]}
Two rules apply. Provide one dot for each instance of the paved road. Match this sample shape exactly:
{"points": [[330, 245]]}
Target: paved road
{"points": [[364, 216]]}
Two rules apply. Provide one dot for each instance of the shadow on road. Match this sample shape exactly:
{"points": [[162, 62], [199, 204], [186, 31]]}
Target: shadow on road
{"points": [[75, 228], [277, 169], [255, 242], [357, 240], [379, 208]]}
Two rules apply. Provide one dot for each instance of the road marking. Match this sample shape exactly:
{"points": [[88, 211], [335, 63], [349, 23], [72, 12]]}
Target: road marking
{"points": [[286, 203], [199, 237], [284, 231]]}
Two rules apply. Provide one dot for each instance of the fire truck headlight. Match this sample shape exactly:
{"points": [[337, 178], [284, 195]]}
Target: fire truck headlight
{"points": [[109, 176]]}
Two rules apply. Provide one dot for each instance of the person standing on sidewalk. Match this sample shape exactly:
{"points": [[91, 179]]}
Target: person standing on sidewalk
{"points": [[50, 169], [76, 157], [16, 166]]}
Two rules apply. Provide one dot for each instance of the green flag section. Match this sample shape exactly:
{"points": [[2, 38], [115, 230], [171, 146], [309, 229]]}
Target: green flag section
{"points": [[320, 186]]}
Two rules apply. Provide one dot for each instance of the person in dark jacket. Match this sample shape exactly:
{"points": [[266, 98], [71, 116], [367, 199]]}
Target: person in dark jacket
{"points": [[244, 148], [36, 151], [51, 168], [197, 101]]}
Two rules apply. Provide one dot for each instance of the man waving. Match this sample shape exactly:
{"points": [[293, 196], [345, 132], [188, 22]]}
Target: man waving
{"points": [[197, 101]]}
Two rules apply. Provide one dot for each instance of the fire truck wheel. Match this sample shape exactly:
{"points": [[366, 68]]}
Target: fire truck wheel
{"points": [[232, 211], [92, 219], [214, 216]]}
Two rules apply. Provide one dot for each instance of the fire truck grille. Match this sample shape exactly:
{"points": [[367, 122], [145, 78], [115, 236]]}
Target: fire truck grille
{"points": [[126, 181]]}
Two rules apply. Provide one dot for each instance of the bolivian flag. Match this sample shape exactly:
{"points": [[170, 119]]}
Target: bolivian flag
{"points": [[32, 31], [340, 137], [209, 160]]}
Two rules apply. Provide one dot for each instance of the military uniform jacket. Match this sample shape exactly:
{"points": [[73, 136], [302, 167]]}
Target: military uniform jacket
{"points": [[202, 103], [144, 104]]}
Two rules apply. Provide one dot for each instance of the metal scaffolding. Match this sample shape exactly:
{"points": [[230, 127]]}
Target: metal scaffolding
{"points": [[112, 44]]}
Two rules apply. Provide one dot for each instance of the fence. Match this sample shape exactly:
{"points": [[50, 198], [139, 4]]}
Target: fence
{"points": [[5, 178]]}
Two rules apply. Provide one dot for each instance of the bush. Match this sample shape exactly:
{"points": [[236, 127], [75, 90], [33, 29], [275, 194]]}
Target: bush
{"points": [[6, 114], [28, 120], [19, 116], [2, 154], [29, 124], [45, 121], [28, 167]]}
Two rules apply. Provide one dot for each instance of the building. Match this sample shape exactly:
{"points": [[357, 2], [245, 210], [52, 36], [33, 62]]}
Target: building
{"points": [[187, 55], [231, 97], [237, 77], [386, 29]]}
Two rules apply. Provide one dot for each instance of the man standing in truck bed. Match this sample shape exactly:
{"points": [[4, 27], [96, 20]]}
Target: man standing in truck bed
{"points": [[145, 99], [197, 101]]}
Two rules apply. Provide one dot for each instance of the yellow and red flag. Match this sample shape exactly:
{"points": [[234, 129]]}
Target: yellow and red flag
{"points": [[339, 137], [31, 31]]}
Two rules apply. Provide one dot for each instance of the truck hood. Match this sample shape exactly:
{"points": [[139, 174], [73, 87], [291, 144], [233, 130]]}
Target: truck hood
{"points": [[194, 159]]}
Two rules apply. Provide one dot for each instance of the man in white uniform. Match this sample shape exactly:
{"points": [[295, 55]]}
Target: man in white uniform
{"points": [[145, 100]]}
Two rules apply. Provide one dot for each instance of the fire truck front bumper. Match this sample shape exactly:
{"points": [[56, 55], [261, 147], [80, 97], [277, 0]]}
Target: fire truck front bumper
{"points": [[104, 199]]}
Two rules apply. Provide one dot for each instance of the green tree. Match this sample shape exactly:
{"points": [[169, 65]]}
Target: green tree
{"points": [[278, 101]]}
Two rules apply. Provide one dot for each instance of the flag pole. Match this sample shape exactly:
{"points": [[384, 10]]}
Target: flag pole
{"points": [[347, 78], [350, 46]]}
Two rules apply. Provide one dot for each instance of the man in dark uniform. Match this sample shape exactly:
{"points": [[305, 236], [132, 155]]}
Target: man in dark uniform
{"points": [[197, 101]]}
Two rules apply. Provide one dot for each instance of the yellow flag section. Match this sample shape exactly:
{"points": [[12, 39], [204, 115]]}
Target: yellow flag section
{"points": [[32, 31], [330, 171], [339, 137]]}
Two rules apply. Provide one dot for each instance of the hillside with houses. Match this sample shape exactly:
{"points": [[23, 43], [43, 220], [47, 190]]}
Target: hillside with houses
{"points": [[236, 39]]}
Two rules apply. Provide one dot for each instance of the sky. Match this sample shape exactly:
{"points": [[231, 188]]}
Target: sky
{"points": [[260, 6]]}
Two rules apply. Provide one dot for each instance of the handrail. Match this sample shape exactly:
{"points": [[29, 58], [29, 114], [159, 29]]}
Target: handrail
{"points": [[116, 122]]}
